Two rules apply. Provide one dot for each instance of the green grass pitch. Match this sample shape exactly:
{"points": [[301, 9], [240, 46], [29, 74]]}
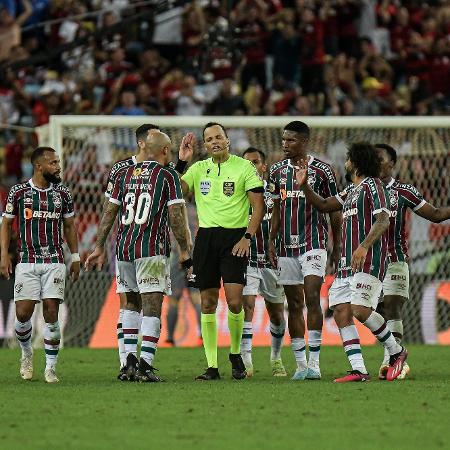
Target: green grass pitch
{"points": [[90, 409]]}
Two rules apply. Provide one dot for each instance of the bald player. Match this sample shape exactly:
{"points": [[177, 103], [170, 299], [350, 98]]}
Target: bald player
{"points": [[147, 196]]}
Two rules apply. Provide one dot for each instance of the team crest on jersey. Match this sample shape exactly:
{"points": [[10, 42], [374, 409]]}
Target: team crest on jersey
{"points": [[9, 208], [56, 199], [205, 186], [228, 188], [393, 197]]}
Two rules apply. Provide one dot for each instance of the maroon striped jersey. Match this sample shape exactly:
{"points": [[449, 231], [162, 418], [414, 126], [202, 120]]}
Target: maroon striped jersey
{"points": [[303, 227], [402, 196], [115, 169], [361, 204], [259, 247], [144, 192], [40, 214]]}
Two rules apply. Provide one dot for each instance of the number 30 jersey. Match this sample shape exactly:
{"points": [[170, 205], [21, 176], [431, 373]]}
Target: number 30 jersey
{"points": [[144, 192]]}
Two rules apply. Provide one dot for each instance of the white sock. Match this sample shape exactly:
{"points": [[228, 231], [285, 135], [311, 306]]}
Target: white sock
{"points": [[247, 336], [277, 332], [150, 329], [352, 347], [23, 334], [377, 325], [396, 328], [52, 338], [130, 323], [314, 343], [299, 349], [120, 343]]}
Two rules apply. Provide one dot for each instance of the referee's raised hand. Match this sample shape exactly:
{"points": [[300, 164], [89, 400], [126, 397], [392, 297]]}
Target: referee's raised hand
{"points": [[242, 248]]}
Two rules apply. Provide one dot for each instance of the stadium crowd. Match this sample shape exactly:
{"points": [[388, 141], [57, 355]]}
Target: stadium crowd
{"points": [[258, 57]]}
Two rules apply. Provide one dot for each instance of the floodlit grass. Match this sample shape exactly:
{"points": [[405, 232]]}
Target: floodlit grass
{"points": [[90, 409]]}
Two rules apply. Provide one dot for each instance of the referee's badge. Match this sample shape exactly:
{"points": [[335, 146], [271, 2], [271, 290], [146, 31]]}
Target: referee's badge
{"points": [[228, 188], [205, 187]]}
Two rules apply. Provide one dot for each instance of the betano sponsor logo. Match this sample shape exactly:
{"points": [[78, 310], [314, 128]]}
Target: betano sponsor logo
{"points": [[291, 194], [30, 214]]}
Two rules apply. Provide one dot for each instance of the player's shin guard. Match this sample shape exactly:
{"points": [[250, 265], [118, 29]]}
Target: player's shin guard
{"points": [[150, 330], [314, 343], [277, 333], [352, 347], [247, 336], [235, 325], [130, 321], [209, 334], [23, 334], [52, 337], [120, 343], [377, 325]]}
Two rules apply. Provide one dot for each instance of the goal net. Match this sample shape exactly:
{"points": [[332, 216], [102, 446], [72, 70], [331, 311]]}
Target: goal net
{"points": [[89, 145]]}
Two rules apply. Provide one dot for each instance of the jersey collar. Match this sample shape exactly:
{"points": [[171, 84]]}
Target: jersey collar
{"points": [[40, 190], [390, 183], [310, 160]]}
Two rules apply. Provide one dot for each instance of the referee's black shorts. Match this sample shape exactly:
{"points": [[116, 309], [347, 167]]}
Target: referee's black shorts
{"points": [[213, 260]]}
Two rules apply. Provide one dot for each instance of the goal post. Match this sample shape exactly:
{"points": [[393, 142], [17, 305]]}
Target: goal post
{"points": [[89, 145]]}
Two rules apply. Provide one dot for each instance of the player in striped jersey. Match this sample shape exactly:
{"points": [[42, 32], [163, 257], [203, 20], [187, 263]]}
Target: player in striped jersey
{"points": [[302, 254], [356, 290], [43, 208], [184, 155], [147, 196], [403, 196], [262, 279]]}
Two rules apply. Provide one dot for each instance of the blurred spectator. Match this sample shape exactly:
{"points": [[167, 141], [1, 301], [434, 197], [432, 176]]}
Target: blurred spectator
{"points": [[127, 105], [228, 102], [10, 27], [190, 101]]}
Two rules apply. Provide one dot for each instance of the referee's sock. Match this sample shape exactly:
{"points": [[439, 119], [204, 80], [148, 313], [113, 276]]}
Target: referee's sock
{"points": [[235, 325], [209, 335]]}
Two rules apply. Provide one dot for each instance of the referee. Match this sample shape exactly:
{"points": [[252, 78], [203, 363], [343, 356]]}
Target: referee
{"points": [[224, 186]]}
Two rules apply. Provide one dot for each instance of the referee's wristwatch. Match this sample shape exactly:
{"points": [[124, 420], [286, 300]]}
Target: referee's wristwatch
{"points": [[248, 236]]}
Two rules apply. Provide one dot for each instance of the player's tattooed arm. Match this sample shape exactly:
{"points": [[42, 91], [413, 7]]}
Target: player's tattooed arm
{"points": [[377, 230], [5, 239], [180, 229], [109, 216], [433, 214]]}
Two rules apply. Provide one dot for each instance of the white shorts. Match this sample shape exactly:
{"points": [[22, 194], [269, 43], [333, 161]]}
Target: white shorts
{"points": [[38, 281], [265, 283], [144, 275], [360, 289], [396, 281], [293, 270]]}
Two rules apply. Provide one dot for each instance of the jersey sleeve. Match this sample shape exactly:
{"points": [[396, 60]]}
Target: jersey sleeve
{"points": [[175, 193], [68, 206], [110, 182], [377, 197], [117, 190], [251, 178], [274, 185], [341, 196], [413, 198], [189, 177], [329, 184], [12, 204]]}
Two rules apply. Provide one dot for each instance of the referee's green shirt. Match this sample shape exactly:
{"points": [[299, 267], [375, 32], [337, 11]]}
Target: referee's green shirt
{"points": [[221, 191]]}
